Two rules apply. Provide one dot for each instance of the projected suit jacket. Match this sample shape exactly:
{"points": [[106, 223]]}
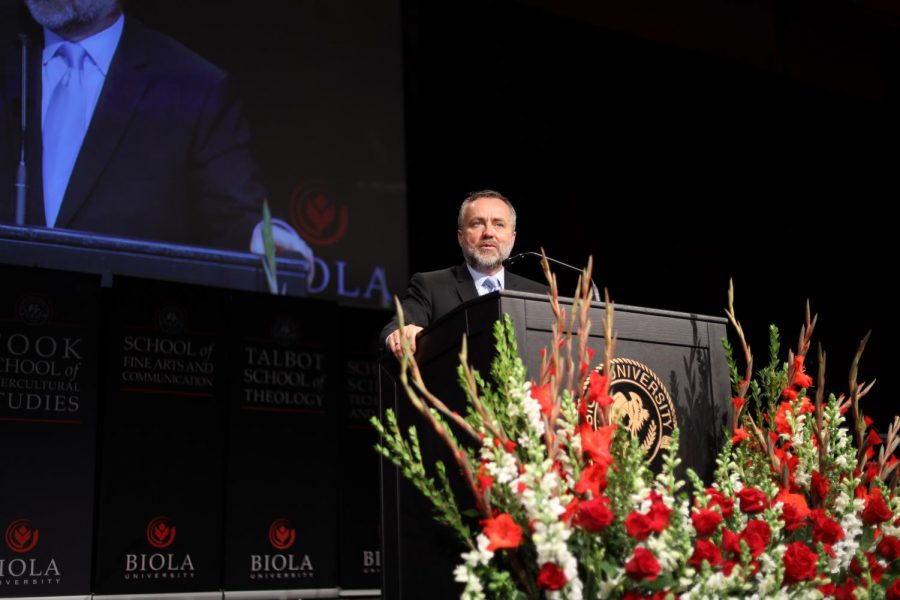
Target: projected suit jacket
{"points": [[166, 156], [432, 295]]}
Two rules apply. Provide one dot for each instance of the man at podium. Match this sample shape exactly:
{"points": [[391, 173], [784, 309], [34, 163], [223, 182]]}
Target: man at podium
{"points": [[486, 231]]}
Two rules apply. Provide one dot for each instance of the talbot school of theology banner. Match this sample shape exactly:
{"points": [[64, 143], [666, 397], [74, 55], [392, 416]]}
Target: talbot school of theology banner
{"points": [[226, 435], [48, 406]]}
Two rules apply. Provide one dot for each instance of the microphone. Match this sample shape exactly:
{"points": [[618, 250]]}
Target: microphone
{"points": [[514, 259], [22, 172]]}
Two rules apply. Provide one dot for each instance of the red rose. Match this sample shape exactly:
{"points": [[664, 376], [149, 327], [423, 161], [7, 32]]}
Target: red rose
{"points": [[731, 542], [643, 565], [716, 498], [638, 526], [889, 548], [820, 485], [571, 509], [708, 551], [594, 515], [593, 479], [799, 563], [755, 542], [876, 511], [706, 521], [551, 577], [752, 500], [659, 513], [893, 592], [760, 528], [825, 529], [502, 531], [845, 590]]}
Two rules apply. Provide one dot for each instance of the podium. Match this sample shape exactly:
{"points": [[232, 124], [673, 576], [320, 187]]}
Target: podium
{"points": [[669, 370]]}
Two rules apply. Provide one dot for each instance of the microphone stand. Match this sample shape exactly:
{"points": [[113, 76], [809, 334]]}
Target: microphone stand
{"points": [[21, 172], [595, 292]]}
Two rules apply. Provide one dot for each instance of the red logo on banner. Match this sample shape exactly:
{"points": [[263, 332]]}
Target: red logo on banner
{"points": [[281, 534], [20, 537], [317, 219], [160, 532]]}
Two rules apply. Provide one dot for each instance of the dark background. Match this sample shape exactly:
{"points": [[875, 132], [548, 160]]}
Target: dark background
{"points": [[680, 144]]}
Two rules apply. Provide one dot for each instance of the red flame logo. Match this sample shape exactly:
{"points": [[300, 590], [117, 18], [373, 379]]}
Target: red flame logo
{"points": [[160, 532], [20, 536], [317, 219], [281, 534]]}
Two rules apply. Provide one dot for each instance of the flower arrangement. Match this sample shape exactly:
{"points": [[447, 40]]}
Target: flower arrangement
{"points": [[802, 503]]}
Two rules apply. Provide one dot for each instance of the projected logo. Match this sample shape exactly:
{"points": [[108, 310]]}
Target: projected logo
{"points": [[641, 405], [160, 532], [281, 534], [316, 217], [20, 536]]}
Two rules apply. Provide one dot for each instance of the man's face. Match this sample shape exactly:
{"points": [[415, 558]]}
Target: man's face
{"points": [[62, 16], [487, 234]]}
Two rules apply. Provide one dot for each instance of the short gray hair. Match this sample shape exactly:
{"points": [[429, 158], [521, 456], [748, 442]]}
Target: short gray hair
{"points": [[472, 197]]}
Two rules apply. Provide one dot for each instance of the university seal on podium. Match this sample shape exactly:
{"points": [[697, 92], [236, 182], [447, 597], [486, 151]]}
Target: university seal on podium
{"points": [[641, 404]]}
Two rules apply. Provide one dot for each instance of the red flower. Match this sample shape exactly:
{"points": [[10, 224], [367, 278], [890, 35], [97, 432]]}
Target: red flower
{"points": [[819, 485], [893, 592], [485, 481], [502, 531], [551, 577], [740, 434], [801, 379], [598, 390], [708, 551], [789, 393], [889, 548], [638, 526], [706, 521], [792, 517], [845, 590], [825, 529], [659, 513], [716, 498], [643, 565], [752, 500], [571, 509], [876, 511], [544, 396], [873, 438], [760, 528], [731, 542], [595, 442], [738, 403], [593, 479], [595, 515], [799, 563]]}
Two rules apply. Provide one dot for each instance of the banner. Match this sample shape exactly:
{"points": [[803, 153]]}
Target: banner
{"points": [[48, 410], [163, 444], [281, 520]]}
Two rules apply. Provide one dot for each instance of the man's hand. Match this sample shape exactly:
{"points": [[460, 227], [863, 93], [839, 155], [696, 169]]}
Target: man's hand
{"points": [[393, 341]]}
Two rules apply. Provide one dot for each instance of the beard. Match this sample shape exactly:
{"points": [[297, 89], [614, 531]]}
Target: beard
{"points": [[483, 260], [62, 16]]}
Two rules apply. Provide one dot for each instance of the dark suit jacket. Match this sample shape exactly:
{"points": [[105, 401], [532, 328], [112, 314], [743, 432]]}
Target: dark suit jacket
{"points": [[166, 156], [432, 295]]}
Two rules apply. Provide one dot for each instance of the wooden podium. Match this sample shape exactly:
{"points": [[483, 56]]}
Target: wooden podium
{"points": [[669, 370]]}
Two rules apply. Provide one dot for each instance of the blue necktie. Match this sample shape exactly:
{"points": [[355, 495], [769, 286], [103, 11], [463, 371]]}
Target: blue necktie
{"points": [[63, 129], [491, 284]]}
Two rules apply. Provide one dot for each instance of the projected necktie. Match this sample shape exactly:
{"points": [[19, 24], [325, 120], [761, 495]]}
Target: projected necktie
{"points": [[63, 129]]}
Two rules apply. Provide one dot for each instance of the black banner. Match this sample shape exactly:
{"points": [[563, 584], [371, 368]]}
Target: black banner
{"points": [[282, 446], [48, 410], [163, 445], [359, 532]]}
